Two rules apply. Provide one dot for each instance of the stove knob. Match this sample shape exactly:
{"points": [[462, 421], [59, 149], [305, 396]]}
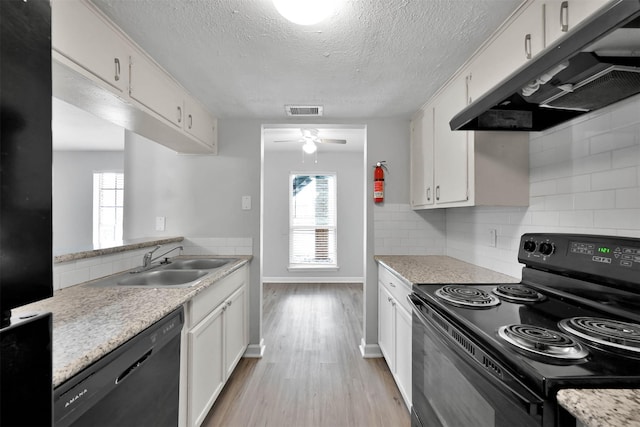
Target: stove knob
{"points": [[546, 248], [529, 246]]}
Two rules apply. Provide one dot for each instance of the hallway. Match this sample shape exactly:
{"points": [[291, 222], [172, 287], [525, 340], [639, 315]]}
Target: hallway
{"points": [[312, 373]]}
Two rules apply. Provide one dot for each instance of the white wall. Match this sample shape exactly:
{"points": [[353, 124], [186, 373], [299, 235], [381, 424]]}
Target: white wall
{"points": [[72, 206], [348, 167], [584, 178], [200, 196]]}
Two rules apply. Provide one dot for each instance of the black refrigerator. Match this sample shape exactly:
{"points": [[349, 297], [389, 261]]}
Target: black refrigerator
{"points": [[25, 211]]}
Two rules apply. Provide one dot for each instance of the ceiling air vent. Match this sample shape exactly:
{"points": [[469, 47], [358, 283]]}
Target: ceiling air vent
{"points": [[303, 110]]}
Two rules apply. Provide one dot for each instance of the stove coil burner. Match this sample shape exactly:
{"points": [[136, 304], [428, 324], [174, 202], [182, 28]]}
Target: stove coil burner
{"points": [[607, 333], [517, 293], [543, 342], [465, 296]]}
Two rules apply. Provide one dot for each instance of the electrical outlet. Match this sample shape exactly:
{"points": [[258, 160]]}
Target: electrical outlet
{"points": [[246, 203], [493, 237]]}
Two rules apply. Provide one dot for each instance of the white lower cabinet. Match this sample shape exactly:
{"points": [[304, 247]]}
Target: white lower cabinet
{"points": [[394, 329], [217, 336]]}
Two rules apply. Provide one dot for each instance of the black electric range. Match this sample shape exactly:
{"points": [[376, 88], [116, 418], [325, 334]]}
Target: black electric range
{"points": [[572, 322]]}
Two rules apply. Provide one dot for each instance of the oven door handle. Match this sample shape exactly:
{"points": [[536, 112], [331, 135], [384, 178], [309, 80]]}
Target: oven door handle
{"points": [[525, 398]]}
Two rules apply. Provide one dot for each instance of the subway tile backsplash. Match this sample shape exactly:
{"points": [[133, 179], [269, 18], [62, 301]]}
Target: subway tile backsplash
{"points": [[584, 178], [399, 230]]}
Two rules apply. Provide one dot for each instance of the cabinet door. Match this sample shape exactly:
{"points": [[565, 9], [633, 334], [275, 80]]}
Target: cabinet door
{"points": [[418, 190], [450, 147], [81, 34], [422, 159], [561, 16], [235, 329], [403, 352], [521, 40], [154, 89], [199, 123], [386, 326], [206, 365]]}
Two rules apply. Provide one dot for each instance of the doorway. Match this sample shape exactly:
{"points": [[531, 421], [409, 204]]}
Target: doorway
{"points": [[340, 152]]}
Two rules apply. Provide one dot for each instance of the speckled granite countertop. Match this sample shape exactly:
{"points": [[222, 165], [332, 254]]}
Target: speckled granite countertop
{"points": [[126, 246], [602, 408], [594, 408], [89, 322], [440, 269]]}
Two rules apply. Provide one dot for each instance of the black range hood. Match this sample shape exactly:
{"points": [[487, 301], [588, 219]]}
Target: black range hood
{"points": [[596, 65]]}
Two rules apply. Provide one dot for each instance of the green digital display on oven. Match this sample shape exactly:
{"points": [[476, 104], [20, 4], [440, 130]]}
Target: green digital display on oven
{"points": [[604, 250]]}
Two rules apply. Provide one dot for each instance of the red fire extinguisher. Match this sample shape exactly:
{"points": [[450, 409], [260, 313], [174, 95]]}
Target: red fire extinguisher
{"points": [[378, 182]]}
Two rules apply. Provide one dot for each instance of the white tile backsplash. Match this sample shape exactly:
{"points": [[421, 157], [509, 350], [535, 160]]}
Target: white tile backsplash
{"points": [[399, 230], [585, 178]]}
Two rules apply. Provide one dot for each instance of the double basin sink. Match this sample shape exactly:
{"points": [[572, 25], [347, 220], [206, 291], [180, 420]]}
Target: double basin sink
{"points": [[176, 273]]}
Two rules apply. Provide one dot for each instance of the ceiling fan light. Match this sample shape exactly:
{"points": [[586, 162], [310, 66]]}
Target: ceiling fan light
{"points": [[309, 147], [305, 12]]}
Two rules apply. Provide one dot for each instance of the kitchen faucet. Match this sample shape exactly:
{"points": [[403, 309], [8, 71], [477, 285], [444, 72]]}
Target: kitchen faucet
{"points": [[147, 259]]}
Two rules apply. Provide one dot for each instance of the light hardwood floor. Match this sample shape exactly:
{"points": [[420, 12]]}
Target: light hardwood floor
{"points": [[312, 373]]}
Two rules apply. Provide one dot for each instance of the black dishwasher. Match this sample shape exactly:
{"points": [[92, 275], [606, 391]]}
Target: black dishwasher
{"points": [[137, 384]]}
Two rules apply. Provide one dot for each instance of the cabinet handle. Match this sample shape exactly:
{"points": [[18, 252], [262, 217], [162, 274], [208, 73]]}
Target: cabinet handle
{"points": [[179, 114], [229, 303], [437, 192], [392, 285], [428, 194], [190, 120], [564, 16], [527, 46], [117, 64]]}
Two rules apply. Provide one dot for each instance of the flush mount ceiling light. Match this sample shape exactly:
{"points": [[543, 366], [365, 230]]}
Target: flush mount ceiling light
{"points": [[305, 12]]}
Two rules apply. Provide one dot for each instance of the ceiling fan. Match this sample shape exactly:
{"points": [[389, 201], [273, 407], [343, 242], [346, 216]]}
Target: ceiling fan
{"points": [[309, 139]]}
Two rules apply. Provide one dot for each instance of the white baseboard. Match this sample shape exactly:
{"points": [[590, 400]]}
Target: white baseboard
{"points": [[370, 351], [308, 279], [255, 351]]}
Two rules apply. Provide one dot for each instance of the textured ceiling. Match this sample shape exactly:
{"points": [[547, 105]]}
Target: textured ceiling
{"points": [[371, 58]]}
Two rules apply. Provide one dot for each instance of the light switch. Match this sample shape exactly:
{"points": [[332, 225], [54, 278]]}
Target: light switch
{"points": [[246, 203], [493, 237], [160, 223]]}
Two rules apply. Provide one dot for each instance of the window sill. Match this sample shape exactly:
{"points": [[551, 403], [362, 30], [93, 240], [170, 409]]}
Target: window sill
{"points": [[312, 267]]}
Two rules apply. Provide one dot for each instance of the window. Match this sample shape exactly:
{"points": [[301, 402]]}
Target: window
{"points": [[108, 207], [312, 220]]}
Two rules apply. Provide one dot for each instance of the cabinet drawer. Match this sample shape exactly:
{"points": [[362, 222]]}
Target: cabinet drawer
{"points": [[214, 295], [395, 286]]}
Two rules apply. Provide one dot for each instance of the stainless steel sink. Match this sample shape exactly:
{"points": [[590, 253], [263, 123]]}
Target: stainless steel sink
{"points": [[177, 273], [197, 263], [163, 278]]}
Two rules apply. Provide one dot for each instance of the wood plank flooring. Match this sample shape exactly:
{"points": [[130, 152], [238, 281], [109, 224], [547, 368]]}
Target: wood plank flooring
{"points": [[312, 373]]}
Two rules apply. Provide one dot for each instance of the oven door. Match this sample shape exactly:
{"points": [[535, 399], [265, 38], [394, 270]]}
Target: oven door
{"points": [[455, 383]]}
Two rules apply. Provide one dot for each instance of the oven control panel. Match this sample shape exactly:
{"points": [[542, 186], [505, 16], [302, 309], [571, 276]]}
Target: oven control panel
{"points": [[610, 257]]}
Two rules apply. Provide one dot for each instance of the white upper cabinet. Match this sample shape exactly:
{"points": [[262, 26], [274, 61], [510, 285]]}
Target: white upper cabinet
{"points": [[465, 168], [422, 159], [88, 40], [516, 43], [450, 147], [561, 16], [94, 60], [199, 123], [154, 89]]}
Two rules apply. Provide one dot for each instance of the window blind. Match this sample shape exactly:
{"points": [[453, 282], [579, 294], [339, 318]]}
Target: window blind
{"points": [[312, 219]]}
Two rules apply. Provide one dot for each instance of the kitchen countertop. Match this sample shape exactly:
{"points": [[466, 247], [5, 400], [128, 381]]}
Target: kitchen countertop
{"points": [[127, 245], [415, 269], [602, 407], [592, 407], [89, 322]]}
